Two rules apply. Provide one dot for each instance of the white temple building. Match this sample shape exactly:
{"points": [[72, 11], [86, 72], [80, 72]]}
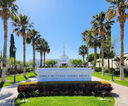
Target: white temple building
{"points": [[64, 60]]}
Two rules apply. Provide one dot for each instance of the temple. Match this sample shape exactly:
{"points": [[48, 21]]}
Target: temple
{"points": [[64, 60]]}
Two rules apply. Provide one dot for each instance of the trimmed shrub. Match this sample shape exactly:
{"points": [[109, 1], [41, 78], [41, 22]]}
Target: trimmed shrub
{"points": [[83, 88], [98, 69]]}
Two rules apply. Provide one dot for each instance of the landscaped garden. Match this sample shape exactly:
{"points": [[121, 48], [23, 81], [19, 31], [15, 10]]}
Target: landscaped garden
{"points": [[108, 77], [19, 78]]}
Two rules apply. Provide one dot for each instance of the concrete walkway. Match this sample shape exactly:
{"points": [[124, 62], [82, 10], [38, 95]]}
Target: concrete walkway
{"points": [[120, 93], [9, 93]]}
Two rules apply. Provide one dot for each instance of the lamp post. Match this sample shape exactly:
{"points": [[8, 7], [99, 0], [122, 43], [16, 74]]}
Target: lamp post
{"points": [[14, 54], [112, 49]]}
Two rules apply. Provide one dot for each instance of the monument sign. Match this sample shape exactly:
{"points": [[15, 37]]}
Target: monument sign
{"points": [[64, 74]]}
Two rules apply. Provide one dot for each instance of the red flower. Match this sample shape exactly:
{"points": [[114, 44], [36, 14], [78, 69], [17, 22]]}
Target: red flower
{"points": [[20, 90]]}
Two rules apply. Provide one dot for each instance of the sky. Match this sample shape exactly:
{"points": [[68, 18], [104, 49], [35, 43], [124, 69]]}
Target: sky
{"points": [[61, 22]]}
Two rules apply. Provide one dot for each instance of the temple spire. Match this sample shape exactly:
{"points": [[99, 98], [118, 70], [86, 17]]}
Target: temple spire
{"points": [[64, 54]]}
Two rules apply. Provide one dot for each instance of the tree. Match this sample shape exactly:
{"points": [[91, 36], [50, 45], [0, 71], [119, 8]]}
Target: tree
{"points": [[51, 62], [93, 42], [46, 49], [40, 48], [76, 62], [99, 22], [108, 53], [22, 26], [34, 36], [118, 9], [84, 37], [83, 52], [12, 46], [91, 57], [8, 8]]}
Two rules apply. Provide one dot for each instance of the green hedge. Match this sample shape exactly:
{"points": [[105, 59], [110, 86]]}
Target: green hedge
{"points": [[31, 89]]}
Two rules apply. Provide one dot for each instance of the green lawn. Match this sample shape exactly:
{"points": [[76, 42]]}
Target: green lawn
{"points": [[66, 101], [19, 77], [108, 77]]}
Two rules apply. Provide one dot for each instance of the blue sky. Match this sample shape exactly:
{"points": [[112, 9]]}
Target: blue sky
{"points": [[61, 22]]}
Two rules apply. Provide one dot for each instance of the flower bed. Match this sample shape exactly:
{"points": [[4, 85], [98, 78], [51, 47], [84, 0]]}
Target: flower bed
{"points": [[83, 88]]}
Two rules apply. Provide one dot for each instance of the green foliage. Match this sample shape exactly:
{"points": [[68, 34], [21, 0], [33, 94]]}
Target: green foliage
{"points": [[51, 62], [67, 88], [42, 45], [1, 57], [91, 57], [76, 62], [12, 42], [108, 77], [97, 69], [82, 50]]}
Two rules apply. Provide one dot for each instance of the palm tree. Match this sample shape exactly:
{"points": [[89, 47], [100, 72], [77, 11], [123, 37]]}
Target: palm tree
{"points": [[83, 52], [8, 8], [118, 8], [40, 48], [46, 49], [84, 37], [99, 23], [22, 26], [93, 42], [34, 36]]}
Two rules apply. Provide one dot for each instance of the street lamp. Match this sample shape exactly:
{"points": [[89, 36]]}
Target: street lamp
{"points": [[14, 54], [112, 49]]}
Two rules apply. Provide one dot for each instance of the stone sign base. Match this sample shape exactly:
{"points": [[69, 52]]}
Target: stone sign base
{"points": [[64, 74]]}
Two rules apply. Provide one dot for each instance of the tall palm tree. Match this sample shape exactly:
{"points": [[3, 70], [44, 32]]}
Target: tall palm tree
{"points": [[84, 37], [34, 36], [83, 52], [93, 42], [46, 49], [40, 48], [22, 26], [100, 22], [8, 8], [118, 8]]}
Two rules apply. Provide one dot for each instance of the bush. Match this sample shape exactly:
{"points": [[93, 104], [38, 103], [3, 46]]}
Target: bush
{"points": [[28, 69], [98, 69], [32, 89], [106, 69]]}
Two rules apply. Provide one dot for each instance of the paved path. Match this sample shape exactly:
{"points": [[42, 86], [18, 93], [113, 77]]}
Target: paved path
{"points": [[119, 92], [9, 93]]}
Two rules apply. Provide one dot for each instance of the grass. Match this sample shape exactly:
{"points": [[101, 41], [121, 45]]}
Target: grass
{"points": [[19, 78], [108, 77], [66, 101]]}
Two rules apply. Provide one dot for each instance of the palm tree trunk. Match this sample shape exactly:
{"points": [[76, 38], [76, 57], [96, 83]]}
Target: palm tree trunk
{"points": [[95, 56], [122, 51], [44, 58], [41, 58], [87, 57], [102, 48], [24, 56], [109, 66], [4, 52], [34, 56]]}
